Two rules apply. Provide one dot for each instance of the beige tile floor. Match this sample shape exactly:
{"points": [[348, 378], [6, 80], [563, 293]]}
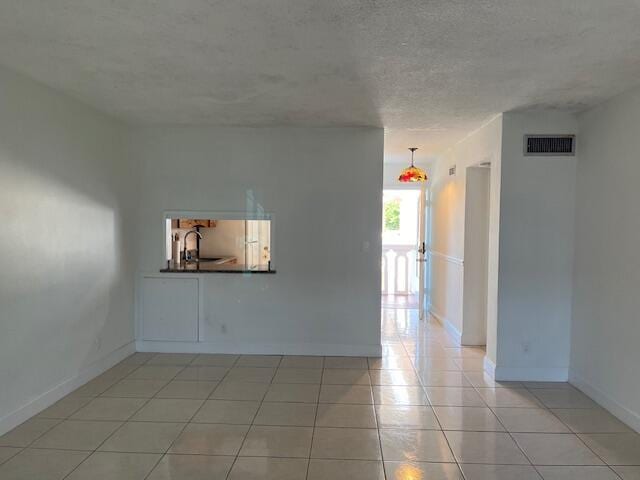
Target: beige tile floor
{"points": [[424, 411]]}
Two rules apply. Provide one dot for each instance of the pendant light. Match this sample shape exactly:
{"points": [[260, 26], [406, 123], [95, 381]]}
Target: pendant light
{"points": [[412, 173]]}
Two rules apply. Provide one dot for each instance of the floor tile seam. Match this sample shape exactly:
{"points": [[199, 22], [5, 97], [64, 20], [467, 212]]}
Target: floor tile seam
{"points": [[244, 438], [375, 416], [217, 380], [348, 459], [313, 432], [76, 410], [182, 368], [120, 378], [181, 430], [175, 438], [20, 450], [584, 443], [93, 451], [122, 423], [458, 461], [304, 458], [541, 407], [166, 382], [431, 406], [58, 422], [518, 446]]}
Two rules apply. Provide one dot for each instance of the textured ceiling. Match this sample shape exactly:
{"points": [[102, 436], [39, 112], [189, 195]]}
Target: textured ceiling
{"points": [[428, 71]]}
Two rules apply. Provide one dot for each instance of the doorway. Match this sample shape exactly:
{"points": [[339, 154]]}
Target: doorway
{"points": [[476, 255], [403, 248]]}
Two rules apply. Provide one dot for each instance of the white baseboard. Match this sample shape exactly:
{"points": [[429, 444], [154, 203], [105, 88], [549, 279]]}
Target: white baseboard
{"points": [[525, 374], [260, 349], [448, 326], [51, 396], [624, 414]]}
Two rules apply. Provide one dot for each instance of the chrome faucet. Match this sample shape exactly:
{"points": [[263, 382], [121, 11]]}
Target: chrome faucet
{"points": [[187, 257]]}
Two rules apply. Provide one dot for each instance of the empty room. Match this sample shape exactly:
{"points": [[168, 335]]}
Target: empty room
{"points": [[319, 240]]}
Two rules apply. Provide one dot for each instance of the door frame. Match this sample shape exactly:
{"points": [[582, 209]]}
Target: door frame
{"points": [[424, 273], [476, 255]]}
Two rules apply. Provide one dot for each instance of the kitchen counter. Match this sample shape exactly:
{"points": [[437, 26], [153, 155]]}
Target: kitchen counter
{"points": [[214, 267]]}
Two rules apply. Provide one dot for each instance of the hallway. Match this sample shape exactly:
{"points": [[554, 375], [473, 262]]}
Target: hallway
{"points": [[400, 301], [504, 431], [423, 411]]}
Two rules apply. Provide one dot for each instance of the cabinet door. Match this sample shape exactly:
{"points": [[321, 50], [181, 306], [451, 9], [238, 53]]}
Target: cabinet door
{"points": [[169, 309], [194, 222]]}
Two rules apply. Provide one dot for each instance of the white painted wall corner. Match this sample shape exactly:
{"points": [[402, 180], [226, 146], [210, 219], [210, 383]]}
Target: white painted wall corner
{"points": [[624, 414], [489, 366]]}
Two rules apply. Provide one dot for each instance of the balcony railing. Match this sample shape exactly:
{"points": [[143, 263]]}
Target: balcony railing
{"points": [[398, 269]]}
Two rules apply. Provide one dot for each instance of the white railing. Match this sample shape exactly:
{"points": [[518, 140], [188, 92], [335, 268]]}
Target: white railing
{"points": [[398, 269]]}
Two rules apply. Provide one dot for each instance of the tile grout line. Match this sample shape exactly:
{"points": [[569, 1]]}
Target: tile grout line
{"points": [[431, 406], [505, 429], [545, 408], [315, 420], [585, 444], [20, 450], [162, 455], [68, 417], [123, 422], [244, 438], [109, 436], [379, 434], [185, 425], [516, 443], [328, 458]]}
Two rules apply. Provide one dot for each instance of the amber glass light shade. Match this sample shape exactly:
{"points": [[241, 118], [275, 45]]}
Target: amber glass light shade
{"points": [[412, 173]]}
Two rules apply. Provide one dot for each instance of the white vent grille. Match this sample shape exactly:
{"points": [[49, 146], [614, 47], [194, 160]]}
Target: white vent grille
{"points": [[550, 145]]}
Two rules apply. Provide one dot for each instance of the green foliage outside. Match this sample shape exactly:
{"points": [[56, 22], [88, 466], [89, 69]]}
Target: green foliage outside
{"points": [[392, 214]]}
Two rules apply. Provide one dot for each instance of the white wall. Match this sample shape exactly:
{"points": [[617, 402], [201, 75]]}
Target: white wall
{"points": [[65, 284], [605, 328], [530, 245], [447, 228], [476, 256], [324, 188], [536, 252]]}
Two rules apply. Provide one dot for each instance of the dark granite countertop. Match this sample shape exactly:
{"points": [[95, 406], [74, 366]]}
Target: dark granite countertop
{"points": [[213, 267]]}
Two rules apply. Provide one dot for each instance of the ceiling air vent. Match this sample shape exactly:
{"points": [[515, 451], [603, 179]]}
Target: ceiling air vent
{"points": [[549, 145]]}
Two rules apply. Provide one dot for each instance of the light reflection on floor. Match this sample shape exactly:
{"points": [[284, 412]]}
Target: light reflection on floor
{"points": [[424, 410]]}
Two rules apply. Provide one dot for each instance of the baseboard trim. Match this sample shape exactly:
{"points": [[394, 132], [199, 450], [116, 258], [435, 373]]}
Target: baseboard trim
{"points": [[260, 349], [624, 414], [525, 374], [51, 396], [448, 326]]}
